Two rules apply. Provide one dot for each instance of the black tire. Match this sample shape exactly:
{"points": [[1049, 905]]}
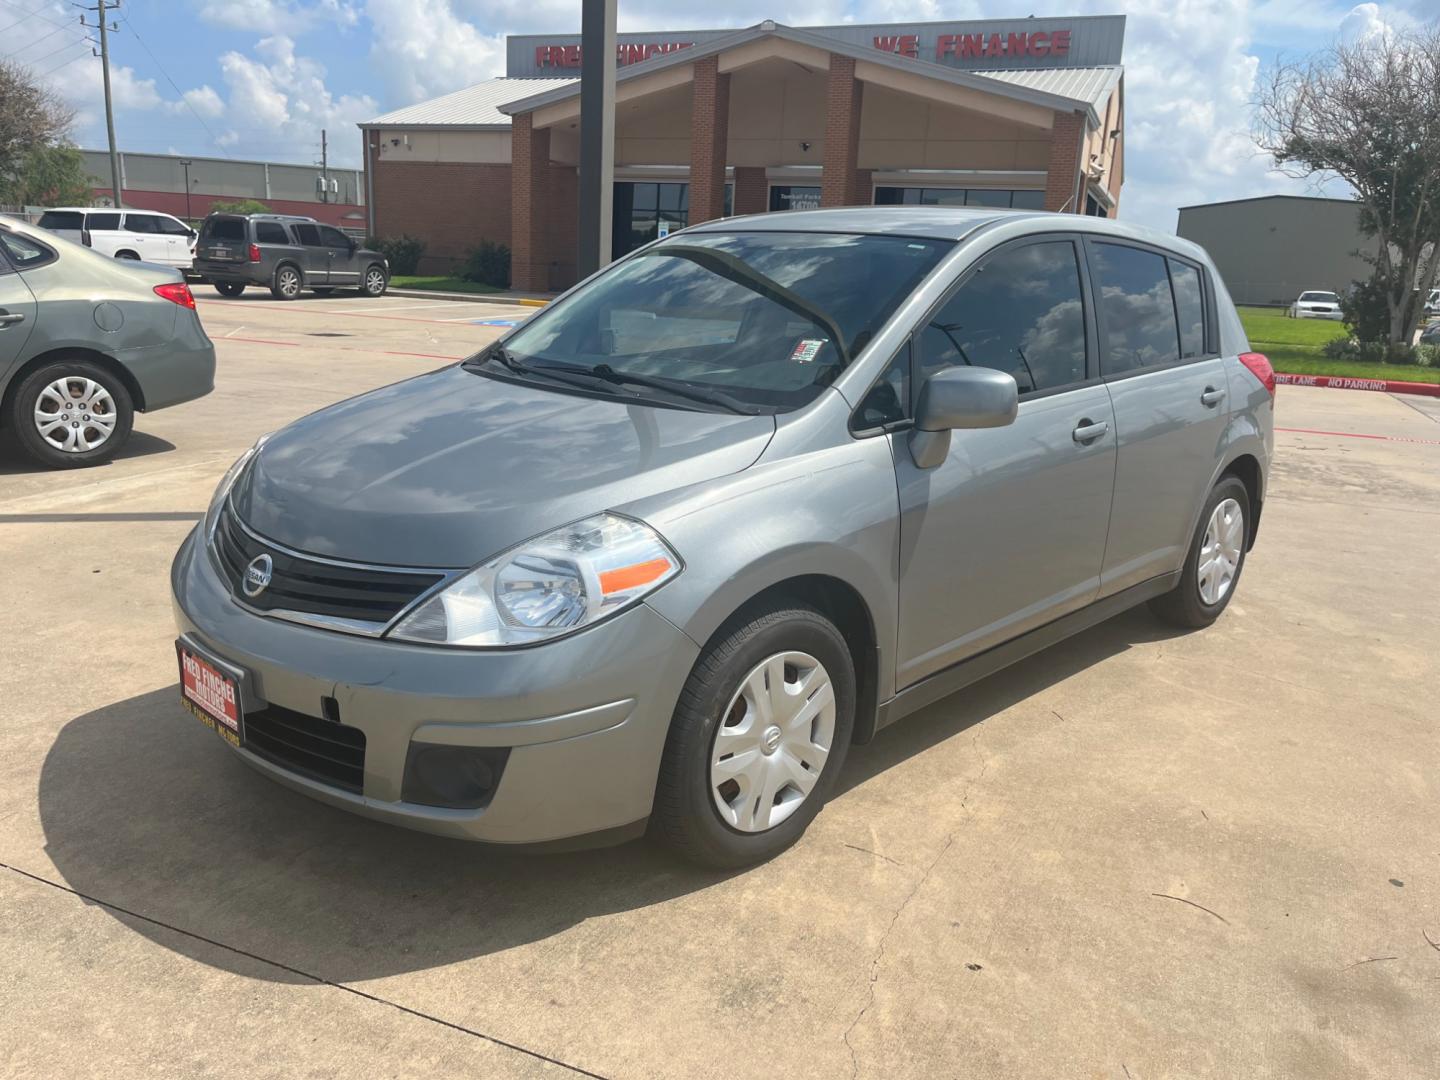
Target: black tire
{"points": [[127, 256], [287, 282], [685, 816], [1183, 606], [22, 424], [229, 288], [374, 281], [326, 291]]}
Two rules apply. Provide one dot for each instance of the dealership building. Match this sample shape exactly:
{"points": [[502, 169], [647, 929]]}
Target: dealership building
{"points": [[1024, 113]]}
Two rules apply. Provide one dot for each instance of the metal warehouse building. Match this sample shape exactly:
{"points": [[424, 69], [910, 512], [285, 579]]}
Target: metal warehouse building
{"points": [[1025, 113], [1272, 248]]}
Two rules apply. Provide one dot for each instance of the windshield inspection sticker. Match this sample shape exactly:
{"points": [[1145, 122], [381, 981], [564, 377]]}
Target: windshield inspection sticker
{"points": [[806, 349]]}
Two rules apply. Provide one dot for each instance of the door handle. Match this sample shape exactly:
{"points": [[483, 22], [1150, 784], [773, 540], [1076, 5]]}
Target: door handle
{"points": [[1087, 431], [7, 319], [1212, 397]]}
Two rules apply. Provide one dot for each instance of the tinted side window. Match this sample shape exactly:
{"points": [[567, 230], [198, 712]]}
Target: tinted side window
{"points": [[142, 223], [1022, 312], [308, 235], [270, 232], [333, 237], [171, 227], [1189, 308], [103, 222], [888, 400], [1137, 308]]}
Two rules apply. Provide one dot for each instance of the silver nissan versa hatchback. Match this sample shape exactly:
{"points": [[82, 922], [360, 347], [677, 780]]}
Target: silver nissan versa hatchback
{"points": [[661, 555]]}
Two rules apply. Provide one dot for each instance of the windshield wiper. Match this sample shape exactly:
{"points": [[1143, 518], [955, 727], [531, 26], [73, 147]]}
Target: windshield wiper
{"points": [[708, 397]]}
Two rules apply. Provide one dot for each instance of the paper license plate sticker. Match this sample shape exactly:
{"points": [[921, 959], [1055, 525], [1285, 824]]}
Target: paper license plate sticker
{"points": [[805, 351]]}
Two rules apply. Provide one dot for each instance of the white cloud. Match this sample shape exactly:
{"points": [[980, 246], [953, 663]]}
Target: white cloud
{"points": [[1364, 25], [203, 101], [425, 57], [276, 16], [284, 100]]}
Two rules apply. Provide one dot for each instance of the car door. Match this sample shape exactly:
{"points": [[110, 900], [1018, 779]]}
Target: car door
{"points": [[1008, 532], [343, 268], [145, 238], [178, 241], [317, 254], [17, 306], [1159, 360]]}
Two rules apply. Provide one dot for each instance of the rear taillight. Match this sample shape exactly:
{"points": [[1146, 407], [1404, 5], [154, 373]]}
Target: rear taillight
{"points": [[177, 292], [254, 252], [1257, 364]]}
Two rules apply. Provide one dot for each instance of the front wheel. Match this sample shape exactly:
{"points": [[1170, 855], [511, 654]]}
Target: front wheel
{"points": [[71, 413], [758, 737], [375, 282], [1217, 555], [287, 283]]}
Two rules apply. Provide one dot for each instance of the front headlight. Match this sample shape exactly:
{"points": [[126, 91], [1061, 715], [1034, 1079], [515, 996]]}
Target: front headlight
{"points": [[546, 587], [232, 474]]}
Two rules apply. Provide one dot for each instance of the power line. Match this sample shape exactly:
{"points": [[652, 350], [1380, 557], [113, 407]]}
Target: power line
{"points": [[52, 52], [32, 15], [125, 18], [32, 44], [64, 64]]}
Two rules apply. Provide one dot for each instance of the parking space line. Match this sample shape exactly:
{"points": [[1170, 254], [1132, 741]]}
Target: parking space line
{"points": [[307, 310], [342, 348], [1359, 435]]}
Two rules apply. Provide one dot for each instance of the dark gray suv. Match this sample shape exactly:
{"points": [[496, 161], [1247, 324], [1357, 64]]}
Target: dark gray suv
{"points": [[285, 254]]}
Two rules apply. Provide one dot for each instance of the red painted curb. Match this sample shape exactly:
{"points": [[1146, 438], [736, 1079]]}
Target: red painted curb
{"points": [[1345, 382]]}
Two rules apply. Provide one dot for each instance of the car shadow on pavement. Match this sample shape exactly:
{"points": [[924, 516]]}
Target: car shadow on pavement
{"points": [[145, 811], [14, 463]]}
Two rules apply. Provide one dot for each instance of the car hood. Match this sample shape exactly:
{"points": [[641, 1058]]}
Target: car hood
{"points": [[452, 467]]}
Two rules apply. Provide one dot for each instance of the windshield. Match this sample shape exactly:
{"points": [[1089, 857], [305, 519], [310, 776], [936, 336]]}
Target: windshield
{"points": [[764, 319], [224, 228], [1319, 297]]}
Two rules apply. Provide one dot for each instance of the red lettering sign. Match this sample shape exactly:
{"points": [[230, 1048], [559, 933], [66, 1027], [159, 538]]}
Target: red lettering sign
{"points": [[902, 44], [944, 46], [1060, 43], [568, 56], [974, 46], [1040, 43]]}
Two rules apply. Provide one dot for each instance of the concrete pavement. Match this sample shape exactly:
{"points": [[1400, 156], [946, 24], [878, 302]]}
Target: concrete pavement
{"points": [[1138, 854]]}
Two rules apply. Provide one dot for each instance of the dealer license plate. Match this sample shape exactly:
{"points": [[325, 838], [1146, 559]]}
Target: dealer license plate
{"points": [[211, 693]]}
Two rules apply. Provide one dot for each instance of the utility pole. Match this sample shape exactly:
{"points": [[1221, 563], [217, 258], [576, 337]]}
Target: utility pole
{"points": [[186, 163], [104, 27], [597, 133], [324, 167]]}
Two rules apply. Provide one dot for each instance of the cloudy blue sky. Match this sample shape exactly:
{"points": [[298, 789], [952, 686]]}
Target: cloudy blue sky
{"points": [[260, 78]]}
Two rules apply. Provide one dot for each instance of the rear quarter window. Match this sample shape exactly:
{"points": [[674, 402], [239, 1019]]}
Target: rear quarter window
{"points": [[1137, 309], [24, 252], [62, 219], [103, 222], [270, 232]]}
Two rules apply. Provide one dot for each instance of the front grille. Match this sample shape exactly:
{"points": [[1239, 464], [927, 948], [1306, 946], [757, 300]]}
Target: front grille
{"points": [[368, 594], [322, 750]]}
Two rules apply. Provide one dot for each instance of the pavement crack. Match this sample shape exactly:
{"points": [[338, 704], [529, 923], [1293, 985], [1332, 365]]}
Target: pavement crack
{"points": [[318, 979], [867, 851]]}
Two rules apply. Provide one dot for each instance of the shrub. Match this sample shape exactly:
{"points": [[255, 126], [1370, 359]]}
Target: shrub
{"points": [[1366, 315], [489, 264], [403, 251], [239, 206], [1427, 355]]}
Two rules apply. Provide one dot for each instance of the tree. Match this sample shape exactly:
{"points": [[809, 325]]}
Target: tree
{"points": [[36, 157], [1369, 113]]}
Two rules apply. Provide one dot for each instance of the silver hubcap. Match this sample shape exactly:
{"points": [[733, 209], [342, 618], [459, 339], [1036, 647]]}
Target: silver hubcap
{"points": [[375, 281], [289, 282], [75, 414], [773, 739], [1220, 551]]}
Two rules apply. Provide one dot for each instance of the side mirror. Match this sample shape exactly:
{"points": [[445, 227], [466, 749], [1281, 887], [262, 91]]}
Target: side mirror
{"points": [[959, 398], [191, 233]]}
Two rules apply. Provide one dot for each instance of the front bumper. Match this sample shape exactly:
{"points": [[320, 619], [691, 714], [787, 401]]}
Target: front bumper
{"points": [[585, 718], [1335, 316]]}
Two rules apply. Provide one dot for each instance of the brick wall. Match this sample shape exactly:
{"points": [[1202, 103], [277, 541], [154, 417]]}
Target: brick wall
{"points": [[452, 206], [1064, 165], [752, 190], [844, 98], [562, 217], [529, 202]]}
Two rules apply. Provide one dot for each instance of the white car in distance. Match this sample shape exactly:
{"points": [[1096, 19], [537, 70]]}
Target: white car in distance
{"points": [[143, 235], [1316, 305]]}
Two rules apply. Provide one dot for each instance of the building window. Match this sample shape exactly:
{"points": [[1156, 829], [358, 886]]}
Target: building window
{"points": [[1094, 208], [794, 197], [1023, 199], [641, 208]]}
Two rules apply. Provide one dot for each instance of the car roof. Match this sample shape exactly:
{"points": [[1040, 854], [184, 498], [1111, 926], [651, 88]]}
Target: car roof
{"points": [[103, 210], [938, 222]]}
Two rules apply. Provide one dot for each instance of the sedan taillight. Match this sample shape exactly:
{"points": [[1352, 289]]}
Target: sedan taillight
{"points": [[1259, 366], [177, 292]]}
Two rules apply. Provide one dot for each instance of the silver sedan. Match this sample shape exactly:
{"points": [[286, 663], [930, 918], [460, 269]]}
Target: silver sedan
{"points": [[85, 342]]}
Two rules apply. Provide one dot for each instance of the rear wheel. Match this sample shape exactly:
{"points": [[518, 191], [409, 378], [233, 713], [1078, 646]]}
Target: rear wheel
{"points": [[70, 413], [287, 283], [758, 737], [229, 288], [1217, 555], [128, 256]]}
